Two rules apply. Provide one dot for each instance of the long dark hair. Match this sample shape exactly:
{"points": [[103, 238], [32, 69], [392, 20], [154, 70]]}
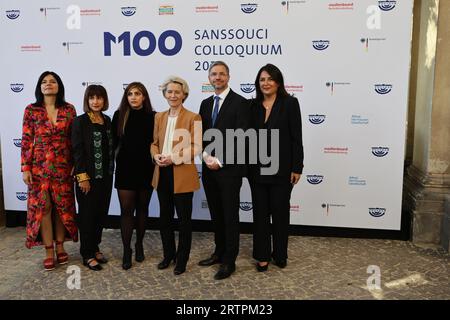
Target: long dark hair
{"points": [[124, 107], [276, 75], [60, 100]]}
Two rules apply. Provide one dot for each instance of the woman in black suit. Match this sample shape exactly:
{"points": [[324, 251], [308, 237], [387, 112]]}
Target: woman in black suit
{"points": [[132, 128], [93, 159], [274, 109]]}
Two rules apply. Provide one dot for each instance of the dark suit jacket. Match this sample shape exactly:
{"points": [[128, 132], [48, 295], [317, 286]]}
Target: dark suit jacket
{"points": [[285, 116], [83, 145], [233, 114]]}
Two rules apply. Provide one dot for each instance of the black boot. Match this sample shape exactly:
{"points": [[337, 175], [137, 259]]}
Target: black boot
{"points": [[126, 260], [139, 252]]}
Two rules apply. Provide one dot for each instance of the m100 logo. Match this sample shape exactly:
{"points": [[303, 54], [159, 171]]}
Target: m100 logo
{"points": [[125, 39]]}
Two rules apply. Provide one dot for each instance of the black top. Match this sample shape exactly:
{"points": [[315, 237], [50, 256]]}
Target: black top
{"points": [[134, 165], [91, 143], [285, 117]]}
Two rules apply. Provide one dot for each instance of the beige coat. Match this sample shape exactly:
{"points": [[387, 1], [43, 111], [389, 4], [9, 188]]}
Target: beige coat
{"points": [[185, 149]]}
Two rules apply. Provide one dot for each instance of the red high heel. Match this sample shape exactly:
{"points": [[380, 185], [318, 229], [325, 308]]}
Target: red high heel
{"points": [[61, 257], [49, 263]]}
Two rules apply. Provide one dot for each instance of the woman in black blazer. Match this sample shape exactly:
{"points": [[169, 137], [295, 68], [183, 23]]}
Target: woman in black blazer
{"points": [[93, 159], [274, 109]]}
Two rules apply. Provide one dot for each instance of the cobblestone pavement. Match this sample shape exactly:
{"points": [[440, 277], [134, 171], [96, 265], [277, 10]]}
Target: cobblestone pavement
{"points": [[318, 268]]}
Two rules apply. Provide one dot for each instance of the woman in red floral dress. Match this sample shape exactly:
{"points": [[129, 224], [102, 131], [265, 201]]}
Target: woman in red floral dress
{"points": [[47, 166]]}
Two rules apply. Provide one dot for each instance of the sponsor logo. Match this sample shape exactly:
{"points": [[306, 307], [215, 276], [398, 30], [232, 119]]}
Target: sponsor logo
{"points": [[207, 88], [207, 9], [30, 48], [320, 44], [380, 151], [387, 5], [288, 4], [70, 44], [293, 88], [246, 206], [316, 118], [22, 196], [91, 12], [247, 87], [125, 85], [340, 6], [357, 119], [46, 11], [366, 41], [295, 208], [166, 10], [88, 83], [356, 181], [204, 204], [12, 14], [249, 7], [16, 87], [314, 178], [335, 150], [328, 207], [128, 11], [333, 85], [383, 88], [17, 143], [377, 212]]}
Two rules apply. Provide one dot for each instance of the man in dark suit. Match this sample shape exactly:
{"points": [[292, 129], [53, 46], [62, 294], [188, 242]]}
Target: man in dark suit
{"points": [[221, 171]]}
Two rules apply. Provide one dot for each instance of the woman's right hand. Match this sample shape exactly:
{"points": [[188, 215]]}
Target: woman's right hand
{"points": [[27, 178], [159, 160], [85, 186]]}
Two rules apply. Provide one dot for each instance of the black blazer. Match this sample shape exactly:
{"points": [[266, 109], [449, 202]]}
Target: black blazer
{"points": [[83, 145], [233, 114], [285, 116]]}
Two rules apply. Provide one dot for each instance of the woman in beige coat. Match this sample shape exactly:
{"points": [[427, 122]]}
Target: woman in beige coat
{"points": [[177, 140]]}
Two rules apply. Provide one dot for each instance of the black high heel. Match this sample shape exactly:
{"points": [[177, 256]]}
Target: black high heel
{"points": [[139, 252], [126, 260]]}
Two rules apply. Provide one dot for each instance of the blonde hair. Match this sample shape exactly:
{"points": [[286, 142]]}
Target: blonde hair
{"points": [[178, 80]]}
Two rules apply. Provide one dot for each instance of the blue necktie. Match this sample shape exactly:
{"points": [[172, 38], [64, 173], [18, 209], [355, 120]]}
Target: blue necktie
{"points": [[216, 109]]}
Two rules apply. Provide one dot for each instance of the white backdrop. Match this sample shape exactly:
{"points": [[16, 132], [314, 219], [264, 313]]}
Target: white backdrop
{"points": [[346, 61]]}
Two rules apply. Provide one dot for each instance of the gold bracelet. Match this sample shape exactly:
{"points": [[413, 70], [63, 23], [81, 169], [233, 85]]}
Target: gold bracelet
{"points": [[82, 177]]}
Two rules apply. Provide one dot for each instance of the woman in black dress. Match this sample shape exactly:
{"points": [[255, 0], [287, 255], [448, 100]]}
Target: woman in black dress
{"points": [[133, 134], [274, 109], [92, 148]]}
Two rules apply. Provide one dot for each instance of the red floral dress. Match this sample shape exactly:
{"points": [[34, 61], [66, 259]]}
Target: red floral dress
{"points": [[46, 152]]}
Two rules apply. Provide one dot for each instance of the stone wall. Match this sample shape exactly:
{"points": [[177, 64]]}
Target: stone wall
{"points": [[2, 207], [427, 179]]}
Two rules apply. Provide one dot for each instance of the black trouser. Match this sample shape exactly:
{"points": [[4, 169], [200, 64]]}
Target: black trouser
{"points": [[270, 200], [182, 202], [222, 194], [93, 208]]}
